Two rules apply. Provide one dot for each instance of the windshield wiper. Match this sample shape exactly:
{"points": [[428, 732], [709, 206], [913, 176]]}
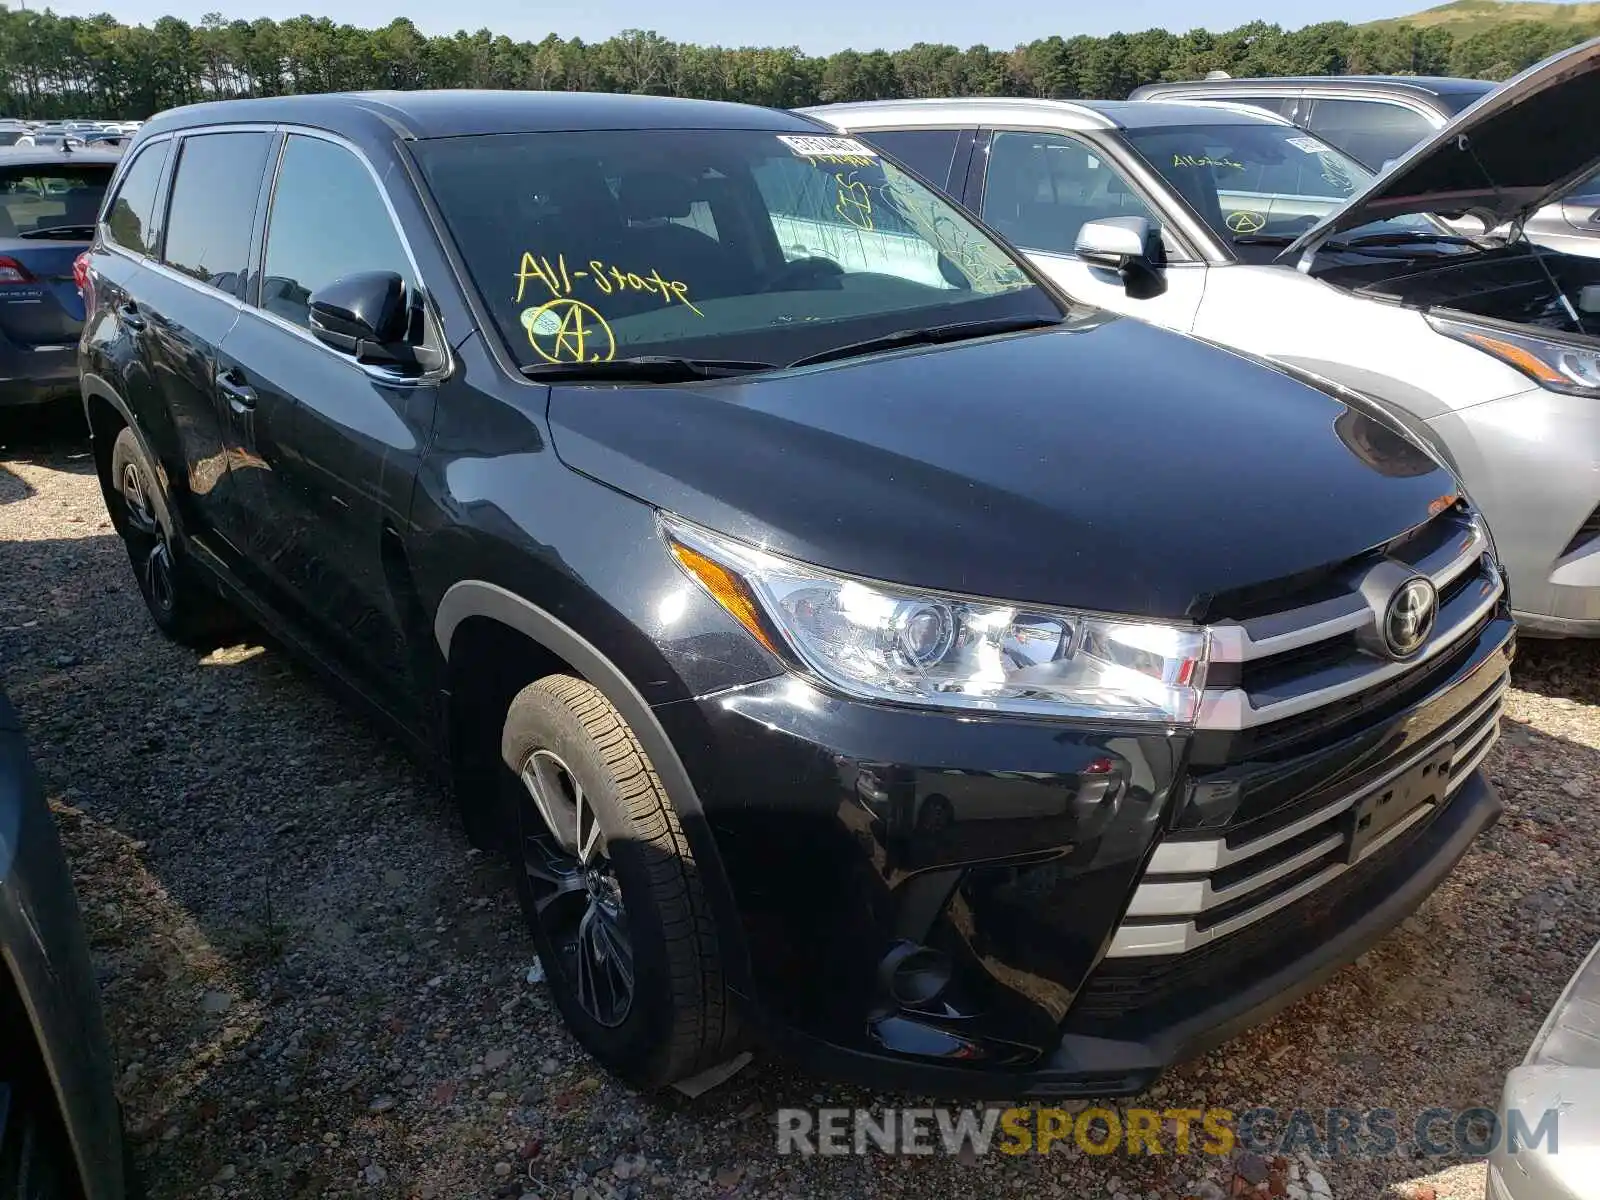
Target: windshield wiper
{"points": [[64, 232], [934, 334], [1263, 239], [1401, 239], [646, 368]]}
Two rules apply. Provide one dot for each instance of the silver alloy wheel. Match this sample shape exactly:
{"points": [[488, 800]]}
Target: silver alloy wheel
{"points": [[147, 541], [576, 892]]}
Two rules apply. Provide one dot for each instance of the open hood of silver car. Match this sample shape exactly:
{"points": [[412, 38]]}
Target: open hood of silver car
{"points": [[1512, 152]]}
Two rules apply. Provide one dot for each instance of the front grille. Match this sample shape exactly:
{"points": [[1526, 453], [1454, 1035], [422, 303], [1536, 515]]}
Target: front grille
{"points": [[1287, 664], [1127, 996], [1196, 891], [1317, 738]]}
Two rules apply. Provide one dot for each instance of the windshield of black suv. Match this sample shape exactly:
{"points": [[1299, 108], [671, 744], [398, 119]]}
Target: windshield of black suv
{"points": [[38, 197], [711, 244], [1260, 186]]}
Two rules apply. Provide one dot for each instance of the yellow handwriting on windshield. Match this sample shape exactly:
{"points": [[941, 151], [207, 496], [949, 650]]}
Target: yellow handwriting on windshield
{"points": [[1204, 160], [855, 202], [608, 279], [567, 330]]}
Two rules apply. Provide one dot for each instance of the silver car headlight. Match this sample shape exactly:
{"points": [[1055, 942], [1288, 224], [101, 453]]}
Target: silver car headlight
{"points": [[1559, 366], [901, 645]]}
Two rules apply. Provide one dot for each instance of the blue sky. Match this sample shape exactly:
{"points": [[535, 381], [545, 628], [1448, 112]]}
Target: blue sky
{"points": [[816, 26]]}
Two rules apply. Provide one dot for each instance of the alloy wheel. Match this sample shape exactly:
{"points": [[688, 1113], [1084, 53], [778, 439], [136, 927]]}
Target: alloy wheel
{"points": [[147, 540], [575, 888]]}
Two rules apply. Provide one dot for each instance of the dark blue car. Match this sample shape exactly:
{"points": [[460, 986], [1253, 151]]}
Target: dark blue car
{"points": [[49, 200], [59, 1130]]}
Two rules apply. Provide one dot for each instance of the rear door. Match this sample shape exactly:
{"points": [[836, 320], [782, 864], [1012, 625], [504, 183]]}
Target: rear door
{"points": [[332, 445], [185, 305], [47, 218], [1039, 188]]}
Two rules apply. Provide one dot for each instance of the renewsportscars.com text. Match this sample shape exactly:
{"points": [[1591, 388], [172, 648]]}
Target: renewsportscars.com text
{"points": [[1328, 1133]]}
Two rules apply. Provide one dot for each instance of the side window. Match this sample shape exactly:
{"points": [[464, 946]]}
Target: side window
{"points": [[833, 215], [213, 206], [928, 152], [328, 220], [1370, 131], [1042, 187], [130, 221]]}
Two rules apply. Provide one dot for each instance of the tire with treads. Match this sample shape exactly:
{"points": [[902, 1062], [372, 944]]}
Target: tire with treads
{"points": [[680, 1020]]}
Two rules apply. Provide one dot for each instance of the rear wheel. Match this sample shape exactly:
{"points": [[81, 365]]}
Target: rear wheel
{"points": [[609, 885], [182, 605]]}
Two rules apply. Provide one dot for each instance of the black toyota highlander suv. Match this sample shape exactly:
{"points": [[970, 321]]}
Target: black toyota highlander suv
{"points": [[853, 643]]}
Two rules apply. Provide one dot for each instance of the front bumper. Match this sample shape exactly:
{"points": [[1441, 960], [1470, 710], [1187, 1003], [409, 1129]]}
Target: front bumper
{"points": [[933, 902], [1531, 463]]}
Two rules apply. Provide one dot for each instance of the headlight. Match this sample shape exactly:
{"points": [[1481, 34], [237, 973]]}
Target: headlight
{"points": [[1559, 366], [885, 642]]}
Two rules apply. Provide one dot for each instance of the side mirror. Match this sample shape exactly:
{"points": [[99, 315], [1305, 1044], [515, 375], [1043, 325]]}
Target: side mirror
{"points": [[1130, 246], [369, 306], [368, 315]]}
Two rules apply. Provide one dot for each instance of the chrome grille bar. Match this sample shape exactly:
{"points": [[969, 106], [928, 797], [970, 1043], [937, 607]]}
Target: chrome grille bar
{"points": [[1186, 900], [1234, 709]]}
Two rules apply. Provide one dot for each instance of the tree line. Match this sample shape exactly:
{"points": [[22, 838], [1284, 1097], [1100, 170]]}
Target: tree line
{"points": [[55, 66]]}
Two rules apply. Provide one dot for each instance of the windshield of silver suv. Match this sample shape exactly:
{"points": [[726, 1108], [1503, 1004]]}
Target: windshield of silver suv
{"points": [[1262, 185], [729, 245]]}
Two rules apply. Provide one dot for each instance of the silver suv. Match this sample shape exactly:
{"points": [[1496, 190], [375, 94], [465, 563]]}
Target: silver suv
{"points": [[1230, 223]]}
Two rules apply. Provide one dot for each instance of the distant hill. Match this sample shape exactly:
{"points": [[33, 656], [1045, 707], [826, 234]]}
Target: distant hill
{"points": [[1465, 17]]}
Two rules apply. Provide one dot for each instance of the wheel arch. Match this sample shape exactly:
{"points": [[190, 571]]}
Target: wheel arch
{"points": [[107, 414], [475, 608]]}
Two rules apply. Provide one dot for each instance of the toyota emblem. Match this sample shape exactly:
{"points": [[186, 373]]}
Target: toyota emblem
{"points": [[1410, 616]]}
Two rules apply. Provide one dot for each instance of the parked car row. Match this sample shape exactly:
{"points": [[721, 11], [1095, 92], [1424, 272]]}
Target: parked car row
{"points": [[68, 134], [860, 634]]}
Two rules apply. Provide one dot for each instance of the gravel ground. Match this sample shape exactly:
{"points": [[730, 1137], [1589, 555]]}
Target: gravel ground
{"points": [[315, 987]]}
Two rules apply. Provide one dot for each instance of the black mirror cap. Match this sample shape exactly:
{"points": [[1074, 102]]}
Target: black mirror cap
{"points": [[368, 306]]}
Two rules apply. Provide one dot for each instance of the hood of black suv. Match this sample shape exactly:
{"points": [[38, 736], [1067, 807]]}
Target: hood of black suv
{"points": [[1514, 151], [1113, 466]]}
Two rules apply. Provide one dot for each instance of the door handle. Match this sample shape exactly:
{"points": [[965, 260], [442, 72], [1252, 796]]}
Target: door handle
{"points": [[128, 311], [241, 396]]}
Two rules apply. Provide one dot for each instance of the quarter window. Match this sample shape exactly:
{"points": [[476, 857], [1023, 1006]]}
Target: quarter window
{"points": [[328, 221], [213, 206], [1041, 188], [130, 222]]}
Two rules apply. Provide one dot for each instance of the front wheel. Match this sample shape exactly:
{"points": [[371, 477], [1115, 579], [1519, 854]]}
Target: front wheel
{"points": [[610, 888]]}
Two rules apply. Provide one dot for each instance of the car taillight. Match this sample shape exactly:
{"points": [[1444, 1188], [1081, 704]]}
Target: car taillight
{"points": [[11, 271], [80, 274]]}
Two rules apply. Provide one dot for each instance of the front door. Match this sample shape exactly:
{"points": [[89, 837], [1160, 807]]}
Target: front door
{"points": [[1039, 189]]}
